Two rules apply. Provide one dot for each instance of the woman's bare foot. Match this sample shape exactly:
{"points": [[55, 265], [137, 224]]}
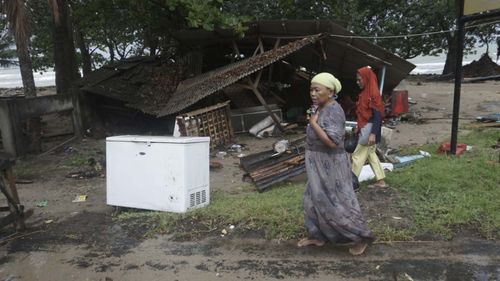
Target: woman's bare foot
{"points": [[307, 242], [358, 248], [378, 184]]}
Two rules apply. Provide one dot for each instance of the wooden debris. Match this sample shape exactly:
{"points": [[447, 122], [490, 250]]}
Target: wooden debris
{"points": [[213, 122], [265, 169]]}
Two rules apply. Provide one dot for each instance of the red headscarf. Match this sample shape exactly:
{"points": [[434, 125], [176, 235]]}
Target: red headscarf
{"points": [[369, 97]]}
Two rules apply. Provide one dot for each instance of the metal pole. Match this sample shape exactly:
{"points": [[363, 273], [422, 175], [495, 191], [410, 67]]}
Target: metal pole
{"points": [[382, 79], [458, 80]]}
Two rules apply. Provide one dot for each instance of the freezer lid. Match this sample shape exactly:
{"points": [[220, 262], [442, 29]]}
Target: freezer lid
{"points": [[157, 139]]}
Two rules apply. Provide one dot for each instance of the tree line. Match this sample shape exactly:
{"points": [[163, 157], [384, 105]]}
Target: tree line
{"points": [[69, 35]]}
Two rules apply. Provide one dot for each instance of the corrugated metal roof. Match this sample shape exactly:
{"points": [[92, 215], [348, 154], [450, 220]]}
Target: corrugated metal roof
{"points": [[192, 90]]}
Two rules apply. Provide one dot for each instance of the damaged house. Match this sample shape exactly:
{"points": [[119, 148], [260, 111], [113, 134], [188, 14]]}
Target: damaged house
{"points": [[266, 72]]}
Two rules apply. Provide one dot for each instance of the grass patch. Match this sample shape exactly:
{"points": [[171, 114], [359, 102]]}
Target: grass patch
{"points": [[277, 213], [440, 195], [446, 194]]}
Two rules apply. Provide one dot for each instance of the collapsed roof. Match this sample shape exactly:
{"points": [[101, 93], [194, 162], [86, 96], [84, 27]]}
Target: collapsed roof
{"points": [[158, 87]]}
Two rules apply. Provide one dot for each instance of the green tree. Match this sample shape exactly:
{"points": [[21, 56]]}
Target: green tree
{"points": [[65, 63], [17, 17]]}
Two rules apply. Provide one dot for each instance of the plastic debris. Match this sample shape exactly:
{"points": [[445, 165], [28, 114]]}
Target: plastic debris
{"points": [[425, 153], [80, 198], [397, 218], [221, 154], [408, 277], [236, 147], [378, 267], [231, 227], [490, 118], [42, 204], [224, 231], [405, 160], [48, 221], [368, 174], [281, 146]]}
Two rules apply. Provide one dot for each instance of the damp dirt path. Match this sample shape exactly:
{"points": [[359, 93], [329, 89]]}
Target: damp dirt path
{"points": [[250, 259]]}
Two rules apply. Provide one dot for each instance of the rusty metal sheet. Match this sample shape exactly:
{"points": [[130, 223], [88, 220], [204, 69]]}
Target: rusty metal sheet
{"points": [[192, 90]]}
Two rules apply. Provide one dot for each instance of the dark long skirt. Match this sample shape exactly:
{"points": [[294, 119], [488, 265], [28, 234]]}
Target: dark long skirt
{"points": [[331, 208]]}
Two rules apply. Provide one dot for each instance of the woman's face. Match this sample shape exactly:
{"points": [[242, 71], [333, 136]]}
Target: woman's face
{"points": [[360, 82], [320, 94]]}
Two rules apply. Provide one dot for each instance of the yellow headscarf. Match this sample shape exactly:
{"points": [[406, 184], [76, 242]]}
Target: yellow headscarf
{"points": [[328, 80]]}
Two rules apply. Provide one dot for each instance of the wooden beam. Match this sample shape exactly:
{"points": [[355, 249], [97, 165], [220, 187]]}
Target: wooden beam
{"points": [[323, 50], [8, 187], [76, 113], [235, 48], [254, 87], [260, 47], [7, 130]]}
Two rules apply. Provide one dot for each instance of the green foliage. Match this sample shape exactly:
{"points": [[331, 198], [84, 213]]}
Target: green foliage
{"points": [[42, 45]]}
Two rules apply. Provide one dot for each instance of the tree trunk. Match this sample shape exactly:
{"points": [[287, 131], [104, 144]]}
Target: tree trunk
{"points": [[66, 66], [33, 125], [451, 56], [111, 50], [26, 70], [86, 58]]}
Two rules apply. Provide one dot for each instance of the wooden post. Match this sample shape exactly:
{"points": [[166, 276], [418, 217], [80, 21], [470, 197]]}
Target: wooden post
{"points": [[8, 136], [76, 114], [254, 87], [16, 125], [8, 188]]}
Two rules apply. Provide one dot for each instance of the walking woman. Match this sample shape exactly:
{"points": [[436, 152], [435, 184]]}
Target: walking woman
{"points": [[369, 112], [331, 208]]}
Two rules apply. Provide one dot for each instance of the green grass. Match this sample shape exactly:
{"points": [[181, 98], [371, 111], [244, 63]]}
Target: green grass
{"points": [[278, 213], [440, 194], [447, 193]]}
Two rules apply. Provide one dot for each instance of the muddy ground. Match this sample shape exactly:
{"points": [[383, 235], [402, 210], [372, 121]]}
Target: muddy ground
{"points": [[84, 241]]}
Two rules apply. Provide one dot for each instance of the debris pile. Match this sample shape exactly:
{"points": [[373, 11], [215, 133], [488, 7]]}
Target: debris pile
{"points": [[481, 68], [269, 167]]}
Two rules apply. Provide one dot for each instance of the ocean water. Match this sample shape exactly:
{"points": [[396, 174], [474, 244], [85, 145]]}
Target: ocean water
{"points": [[435, 64], [11, 77]]}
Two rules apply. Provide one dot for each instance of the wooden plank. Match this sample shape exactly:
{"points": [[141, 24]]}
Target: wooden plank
{"points": [[253, 86], [9, 183]]}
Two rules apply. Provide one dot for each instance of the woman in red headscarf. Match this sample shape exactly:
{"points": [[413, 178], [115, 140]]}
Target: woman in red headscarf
{"points": [[369, 113]]}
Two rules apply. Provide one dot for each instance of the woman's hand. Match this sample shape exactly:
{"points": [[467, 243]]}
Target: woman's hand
{"points": [[314, 119], [372, 139]]}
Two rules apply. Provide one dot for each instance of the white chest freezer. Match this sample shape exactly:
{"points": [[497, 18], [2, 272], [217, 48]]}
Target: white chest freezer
{"points": [[158, 173]]}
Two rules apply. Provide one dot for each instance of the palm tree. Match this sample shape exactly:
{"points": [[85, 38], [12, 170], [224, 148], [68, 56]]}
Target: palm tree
{"points": [[17, 18], [7, 54]]}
